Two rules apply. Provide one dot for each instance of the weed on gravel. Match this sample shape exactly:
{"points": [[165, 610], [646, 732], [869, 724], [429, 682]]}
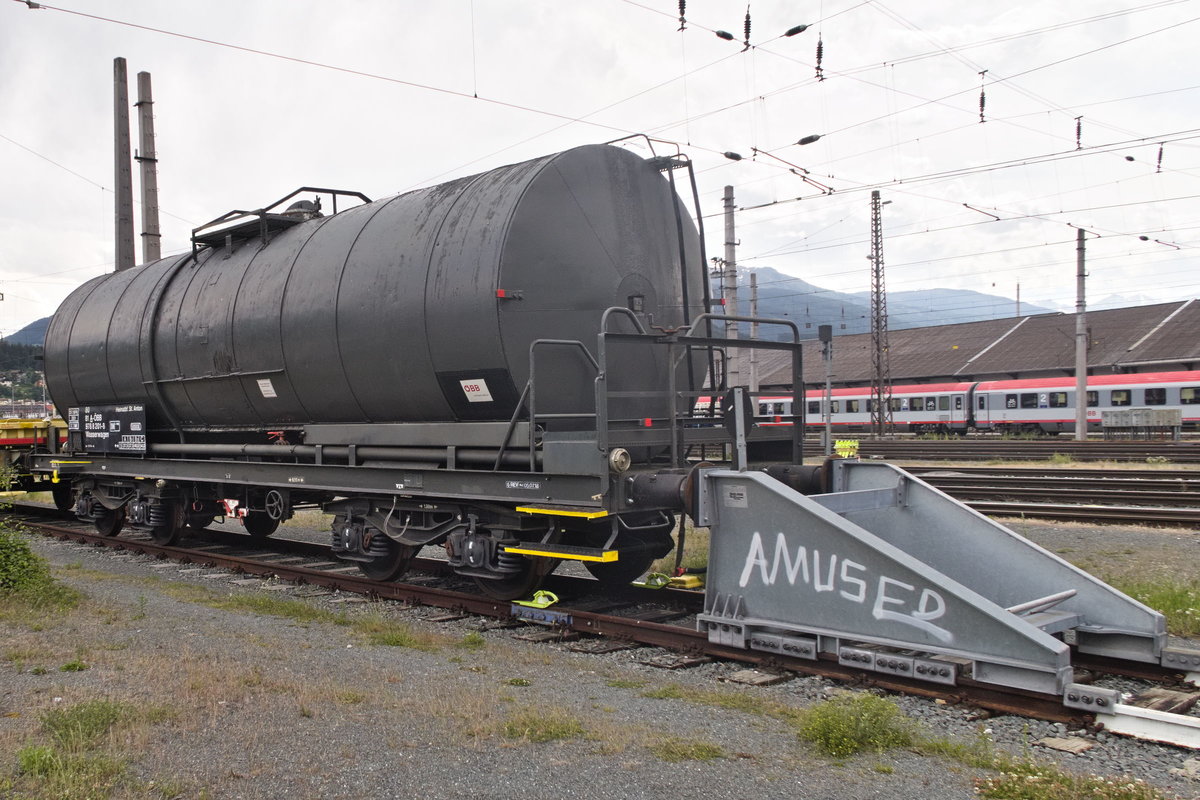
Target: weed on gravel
{"points": [[732, 699], [80, 755], [1049, 783], [675, 749], [542, 725], [378, 629], [853, 722]]}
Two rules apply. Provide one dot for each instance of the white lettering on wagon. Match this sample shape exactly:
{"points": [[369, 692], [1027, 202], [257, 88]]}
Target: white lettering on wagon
{"points": [[893, 599]]}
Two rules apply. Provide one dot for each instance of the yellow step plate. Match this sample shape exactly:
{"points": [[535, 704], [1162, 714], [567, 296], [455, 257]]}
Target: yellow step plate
{"points": [[564, 511], [563, 551]]}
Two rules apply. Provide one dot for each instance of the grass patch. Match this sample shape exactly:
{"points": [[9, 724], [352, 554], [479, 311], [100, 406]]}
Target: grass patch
{"points": [[68, 776], [1178, 601], [532, 725], [851, 723], [1050, 783], [674, 749], [283, 607], [76, 759], [377, 629], [695, 551], [672, 691], [473, 641], [382, 631], [81, 726], [1025, 779], [74, 665]]}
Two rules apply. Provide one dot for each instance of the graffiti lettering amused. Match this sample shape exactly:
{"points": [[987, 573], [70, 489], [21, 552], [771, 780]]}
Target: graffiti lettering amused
{"points": [[888, 598]]}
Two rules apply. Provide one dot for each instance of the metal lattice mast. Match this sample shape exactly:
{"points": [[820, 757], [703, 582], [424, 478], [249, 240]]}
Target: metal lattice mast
{"points": [[881, 374]]}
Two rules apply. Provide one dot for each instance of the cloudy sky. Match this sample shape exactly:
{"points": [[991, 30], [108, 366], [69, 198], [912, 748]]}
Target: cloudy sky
{"points": [[253, 99]]}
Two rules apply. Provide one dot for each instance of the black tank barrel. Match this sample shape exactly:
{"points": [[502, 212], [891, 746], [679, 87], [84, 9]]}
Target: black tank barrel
{"points": [[418, 307]]}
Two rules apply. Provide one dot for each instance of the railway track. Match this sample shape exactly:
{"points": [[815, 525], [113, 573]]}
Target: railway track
{"points": [[986, 449], [1101, 496], [611, 620]]}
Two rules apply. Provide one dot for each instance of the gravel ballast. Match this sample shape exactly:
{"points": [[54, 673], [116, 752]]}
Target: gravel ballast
{"points": [[250, 705]]}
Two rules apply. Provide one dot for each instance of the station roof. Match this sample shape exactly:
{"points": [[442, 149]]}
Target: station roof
{"points": [[1152, 338]]}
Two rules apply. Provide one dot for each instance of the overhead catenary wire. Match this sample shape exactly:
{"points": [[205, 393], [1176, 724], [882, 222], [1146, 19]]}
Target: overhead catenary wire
{"points": [[863, 185]]}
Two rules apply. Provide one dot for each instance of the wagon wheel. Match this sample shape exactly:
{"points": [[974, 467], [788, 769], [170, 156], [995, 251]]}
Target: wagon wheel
{"points": [[621, 572], [110, 522], [199, 522], [520, 584], [168, 532], [638, 549], [391, 566], [259, 524]]}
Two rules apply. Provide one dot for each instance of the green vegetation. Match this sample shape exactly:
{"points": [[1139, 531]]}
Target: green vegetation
{"points": [[473, 641], [66, 776], [732, 699], [674, 749], [851, 723], [1178, 601], [74, 763], [1031, 782], [542, 726], [382, 631], [81, 726], [695, 551], [25, 580], [20, 370], [20, 568], [377, 629]]}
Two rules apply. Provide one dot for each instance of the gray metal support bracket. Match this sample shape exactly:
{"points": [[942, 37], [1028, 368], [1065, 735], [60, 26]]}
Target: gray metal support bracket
{"points": [[892, 564]]}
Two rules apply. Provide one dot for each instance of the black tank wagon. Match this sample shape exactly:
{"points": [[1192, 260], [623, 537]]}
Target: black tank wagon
{"points": [[477, 364], [507, 366]]}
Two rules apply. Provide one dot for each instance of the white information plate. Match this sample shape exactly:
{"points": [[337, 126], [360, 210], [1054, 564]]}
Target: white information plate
{"points": [[476, 391]]}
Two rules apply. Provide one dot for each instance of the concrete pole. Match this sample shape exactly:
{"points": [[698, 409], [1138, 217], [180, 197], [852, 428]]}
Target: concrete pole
{"points": [[151, 238], [1081, 340], [729, 288], [123, 175]]}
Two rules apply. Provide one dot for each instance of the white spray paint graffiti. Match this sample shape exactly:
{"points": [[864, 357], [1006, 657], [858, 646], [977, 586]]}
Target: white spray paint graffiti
{"points": [[892, 598]]}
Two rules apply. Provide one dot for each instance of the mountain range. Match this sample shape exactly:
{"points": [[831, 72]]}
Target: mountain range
{"points": [[809, 306]]}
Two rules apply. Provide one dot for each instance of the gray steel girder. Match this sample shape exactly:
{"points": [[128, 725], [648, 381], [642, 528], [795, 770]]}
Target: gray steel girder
{"points": [[888, 561]]}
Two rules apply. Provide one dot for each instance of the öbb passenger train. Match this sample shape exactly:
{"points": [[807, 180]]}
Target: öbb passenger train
{"points": [[1031, 405]]}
